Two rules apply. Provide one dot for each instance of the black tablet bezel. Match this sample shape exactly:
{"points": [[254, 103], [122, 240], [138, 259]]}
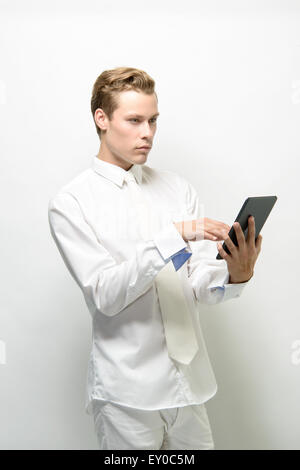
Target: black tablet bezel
{"points": [[245, 212]]}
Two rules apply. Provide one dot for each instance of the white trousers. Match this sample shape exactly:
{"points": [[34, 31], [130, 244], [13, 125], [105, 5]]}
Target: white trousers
{"points": [[120, 427]]}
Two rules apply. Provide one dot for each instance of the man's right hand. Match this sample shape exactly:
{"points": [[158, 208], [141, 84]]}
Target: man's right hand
{"points": [[202, 229]]}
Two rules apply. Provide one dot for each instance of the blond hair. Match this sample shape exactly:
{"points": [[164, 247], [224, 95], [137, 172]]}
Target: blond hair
{"points": [[111, 82]]}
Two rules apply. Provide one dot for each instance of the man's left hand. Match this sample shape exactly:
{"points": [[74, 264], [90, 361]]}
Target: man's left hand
{"points": [[242, 258]]}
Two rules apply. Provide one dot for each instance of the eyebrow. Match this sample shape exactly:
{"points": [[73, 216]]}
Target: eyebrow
{"points": [[138, 115]]}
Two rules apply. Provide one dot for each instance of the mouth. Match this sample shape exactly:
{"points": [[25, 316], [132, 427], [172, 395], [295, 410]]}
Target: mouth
{"points": [[144, 148]]}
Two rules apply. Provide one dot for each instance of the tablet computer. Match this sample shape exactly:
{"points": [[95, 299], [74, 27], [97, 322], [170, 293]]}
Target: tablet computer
{"points": [[260, 207]]}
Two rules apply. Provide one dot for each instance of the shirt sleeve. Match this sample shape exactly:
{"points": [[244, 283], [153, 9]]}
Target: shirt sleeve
{"points": [[95, 270], [208, 276]]}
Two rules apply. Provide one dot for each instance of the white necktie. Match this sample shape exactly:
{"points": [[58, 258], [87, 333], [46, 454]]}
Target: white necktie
{"points": [[179, 331]]}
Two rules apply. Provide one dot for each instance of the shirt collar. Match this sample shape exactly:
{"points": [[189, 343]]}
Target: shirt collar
{"points": [[115, 173]]}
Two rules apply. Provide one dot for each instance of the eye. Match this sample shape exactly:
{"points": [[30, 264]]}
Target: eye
{"points": [[134, 119]]}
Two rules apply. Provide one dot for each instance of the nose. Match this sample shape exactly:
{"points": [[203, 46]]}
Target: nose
{"points": [[147, 131]]}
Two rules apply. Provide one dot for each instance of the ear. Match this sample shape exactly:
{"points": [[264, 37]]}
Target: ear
{"points": [[100, 119]]}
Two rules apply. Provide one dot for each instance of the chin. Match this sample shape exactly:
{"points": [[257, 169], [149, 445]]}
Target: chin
{"points": [[140, 160]]}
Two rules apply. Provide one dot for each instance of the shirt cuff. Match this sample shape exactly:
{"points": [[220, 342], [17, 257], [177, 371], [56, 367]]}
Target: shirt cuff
{"points": [[180, 258], [169, 241], [231, 290]]}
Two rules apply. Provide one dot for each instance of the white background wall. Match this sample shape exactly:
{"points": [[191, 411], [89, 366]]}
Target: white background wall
{"points": [[228, 81]]}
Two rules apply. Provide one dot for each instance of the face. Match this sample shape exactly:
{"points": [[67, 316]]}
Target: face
{"points": [[133, 125]]}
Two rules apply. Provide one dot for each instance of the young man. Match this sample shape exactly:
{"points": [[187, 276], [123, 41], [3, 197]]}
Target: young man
{"points": [[133, 240]]}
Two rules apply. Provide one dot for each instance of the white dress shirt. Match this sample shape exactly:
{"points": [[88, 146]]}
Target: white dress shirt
{"points": [[98, 236]]}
